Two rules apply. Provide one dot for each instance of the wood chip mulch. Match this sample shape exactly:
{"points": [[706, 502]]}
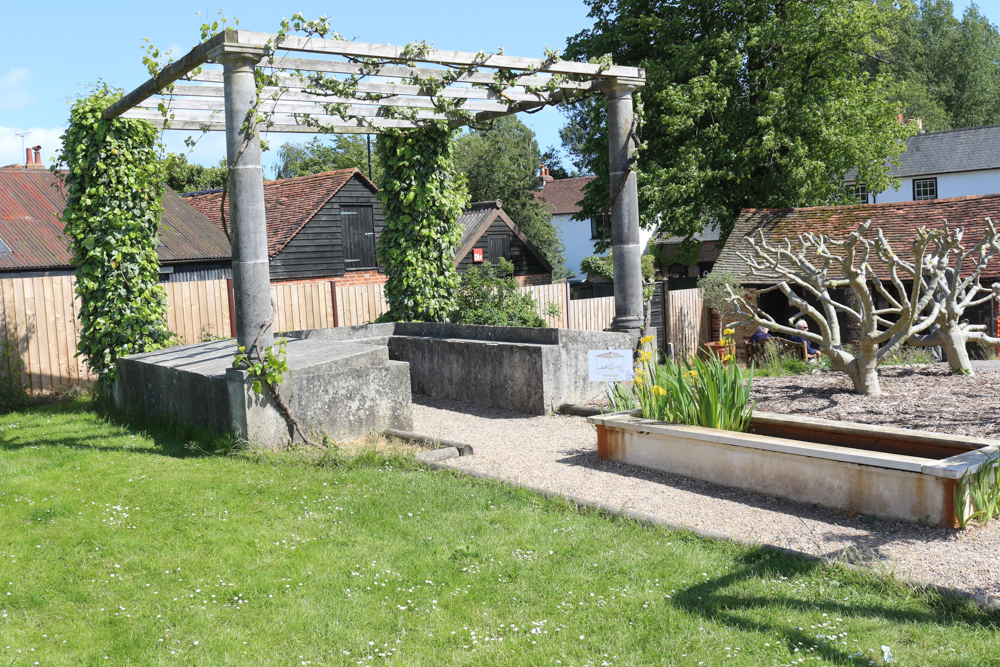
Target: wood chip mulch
{"points": [[918, 397]]}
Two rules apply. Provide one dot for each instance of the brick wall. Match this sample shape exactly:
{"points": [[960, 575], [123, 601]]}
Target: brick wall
{"points": [[370, 277], [534, 279]]}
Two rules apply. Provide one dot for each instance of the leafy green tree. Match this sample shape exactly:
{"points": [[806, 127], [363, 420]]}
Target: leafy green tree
{"points": [[342, 151], [502, 163], [747, 103], [947, 70], [182, 176]]}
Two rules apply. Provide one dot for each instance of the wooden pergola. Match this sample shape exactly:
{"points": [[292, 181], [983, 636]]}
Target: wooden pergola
{"points": [[456, 87]]}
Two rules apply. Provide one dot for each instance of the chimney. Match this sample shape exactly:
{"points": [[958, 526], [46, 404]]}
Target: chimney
{"points": [[37, 162], [545, 175]]}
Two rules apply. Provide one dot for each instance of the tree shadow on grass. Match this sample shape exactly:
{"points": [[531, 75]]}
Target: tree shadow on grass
{"points": [[75, 430], [718, 600]]}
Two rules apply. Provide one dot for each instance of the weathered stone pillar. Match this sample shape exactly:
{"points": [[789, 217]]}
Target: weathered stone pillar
{"points": [[251, 278], [625, 240]]}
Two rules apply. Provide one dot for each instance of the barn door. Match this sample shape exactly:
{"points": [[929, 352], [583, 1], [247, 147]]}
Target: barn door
{"points": [[358, 225]]}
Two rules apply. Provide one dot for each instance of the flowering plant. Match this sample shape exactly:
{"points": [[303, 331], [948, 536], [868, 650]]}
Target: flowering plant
{"points": [[697, 392]]}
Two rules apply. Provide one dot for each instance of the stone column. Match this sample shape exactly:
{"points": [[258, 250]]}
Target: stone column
{"points": [[625, 241], [251, 278]]}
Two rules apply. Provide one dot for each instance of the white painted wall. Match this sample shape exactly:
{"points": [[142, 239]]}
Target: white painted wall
{"points": [[575, 235], [962, 184]]}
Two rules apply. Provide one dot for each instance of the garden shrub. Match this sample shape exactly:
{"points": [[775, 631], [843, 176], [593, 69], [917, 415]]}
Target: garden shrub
{"points": [[490, 295]]}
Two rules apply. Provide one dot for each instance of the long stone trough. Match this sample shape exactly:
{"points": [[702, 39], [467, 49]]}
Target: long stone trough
{"points": [[889, 472], [530, 370]]}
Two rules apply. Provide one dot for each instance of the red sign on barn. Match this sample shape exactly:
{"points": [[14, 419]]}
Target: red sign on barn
{"points": [[477, 254]]}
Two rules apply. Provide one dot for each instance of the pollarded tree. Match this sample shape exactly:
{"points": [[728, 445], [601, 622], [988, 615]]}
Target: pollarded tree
{"points": [[818, 265], [955, 294]]}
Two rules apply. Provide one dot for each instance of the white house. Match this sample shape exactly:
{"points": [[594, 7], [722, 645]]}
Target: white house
{"points": [[562, 197], [940, 165]]}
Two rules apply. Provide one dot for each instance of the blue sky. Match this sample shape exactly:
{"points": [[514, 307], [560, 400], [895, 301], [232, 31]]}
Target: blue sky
{"points": [[102, 40]]}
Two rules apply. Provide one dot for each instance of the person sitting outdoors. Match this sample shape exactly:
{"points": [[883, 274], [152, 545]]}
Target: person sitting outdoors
{"points": [[760, 334], [811, 352]]}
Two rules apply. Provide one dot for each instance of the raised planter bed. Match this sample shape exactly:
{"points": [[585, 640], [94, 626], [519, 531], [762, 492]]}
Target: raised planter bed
{"points": [[889, 472]]}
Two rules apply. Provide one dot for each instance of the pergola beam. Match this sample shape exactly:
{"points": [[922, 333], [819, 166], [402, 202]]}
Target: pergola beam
{"points": [[303, 84], [404, 72], [196, 57], [436, 56]]}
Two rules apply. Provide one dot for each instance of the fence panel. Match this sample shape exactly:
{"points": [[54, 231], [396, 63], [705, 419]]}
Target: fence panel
{"points": [[592, 314], [360, 304], [39, 323], [556, 293], [688, 320], [198, 310], [301, 306]]}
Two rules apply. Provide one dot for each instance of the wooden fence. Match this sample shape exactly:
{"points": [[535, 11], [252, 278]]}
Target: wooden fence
{"points": [[686, 319], [39, 317]]}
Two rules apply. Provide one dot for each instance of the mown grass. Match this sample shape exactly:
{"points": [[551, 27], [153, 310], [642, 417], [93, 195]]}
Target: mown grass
{"points": [[127, 547]]}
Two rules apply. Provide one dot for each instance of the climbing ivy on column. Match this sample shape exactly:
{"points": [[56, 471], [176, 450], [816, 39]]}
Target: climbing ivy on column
{"points": [[112, 215], [422, 198]]}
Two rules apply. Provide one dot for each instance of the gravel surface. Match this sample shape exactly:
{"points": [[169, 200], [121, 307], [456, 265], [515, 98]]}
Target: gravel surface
{"points": [[559, 453]]}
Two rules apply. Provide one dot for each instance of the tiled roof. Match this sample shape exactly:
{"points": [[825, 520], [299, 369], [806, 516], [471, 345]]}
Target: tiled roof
{"points": [[289, 203], [32, 199], [899, 222], [563, 195], [966, 149], [478, 215]]}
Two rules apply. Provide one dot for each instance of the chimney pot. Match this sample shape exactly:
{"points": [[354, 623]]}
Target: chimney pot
{"points": [[27, 158], [38, 155]]}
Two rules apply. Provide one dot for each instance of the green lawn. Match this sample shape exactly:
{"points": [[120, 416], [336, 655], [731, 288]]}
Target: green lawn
{"points": [[123, 547]]}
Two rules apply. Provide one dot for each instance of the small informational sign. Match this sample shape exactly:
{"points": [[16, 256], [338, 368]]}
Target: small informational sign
{"points": [[610, 365], [477, 254]]}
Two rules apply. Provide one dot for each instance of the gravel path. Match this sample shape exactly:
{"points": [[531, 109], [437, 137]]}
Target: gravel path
{"points": [[559, 453]]}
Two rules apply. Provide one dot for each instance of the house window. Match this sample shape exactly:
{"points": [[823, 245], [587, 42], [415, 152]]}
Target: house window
{"points": [[599, 227], [924, 188], [861, 192], [358, 225]]}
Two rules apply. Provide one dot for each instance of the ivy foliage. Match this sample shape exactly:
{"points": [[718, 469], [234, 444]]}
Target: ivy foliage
{"points": [[490, 295], [422, 198], [112, 216], [603, 266]]}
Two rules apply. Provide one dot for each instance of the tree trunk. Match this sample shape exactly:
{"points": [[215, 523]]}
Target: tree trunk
{"points": [[865, 380], [953, 345]]}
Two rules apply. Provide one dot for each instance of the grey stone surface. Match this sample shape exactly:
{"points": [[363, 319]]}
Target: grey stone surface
{"points": [[342, 390], [434, 455], [532, 370]]}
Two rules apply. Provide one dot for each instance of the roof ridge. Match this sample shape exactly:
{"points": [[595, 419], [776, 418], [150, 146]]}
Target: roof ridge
{"points": [[956, 129], [854, 207], [316, 175]]}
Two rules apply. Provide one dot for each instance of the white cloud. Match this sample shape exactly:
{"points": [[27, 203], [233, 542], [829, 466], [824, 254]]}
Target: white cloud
{"points": [[13, 95], [12, 148]]}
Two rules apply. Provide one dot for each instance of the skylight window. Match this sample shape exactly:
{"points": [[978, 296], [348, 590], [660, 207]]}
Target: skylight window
{"points": [[5, 249]]}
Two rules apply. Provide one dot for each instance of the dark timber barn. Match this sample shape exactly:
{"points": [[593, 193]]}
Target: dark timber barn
{"points": [[490, 234], [318, 227]]}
